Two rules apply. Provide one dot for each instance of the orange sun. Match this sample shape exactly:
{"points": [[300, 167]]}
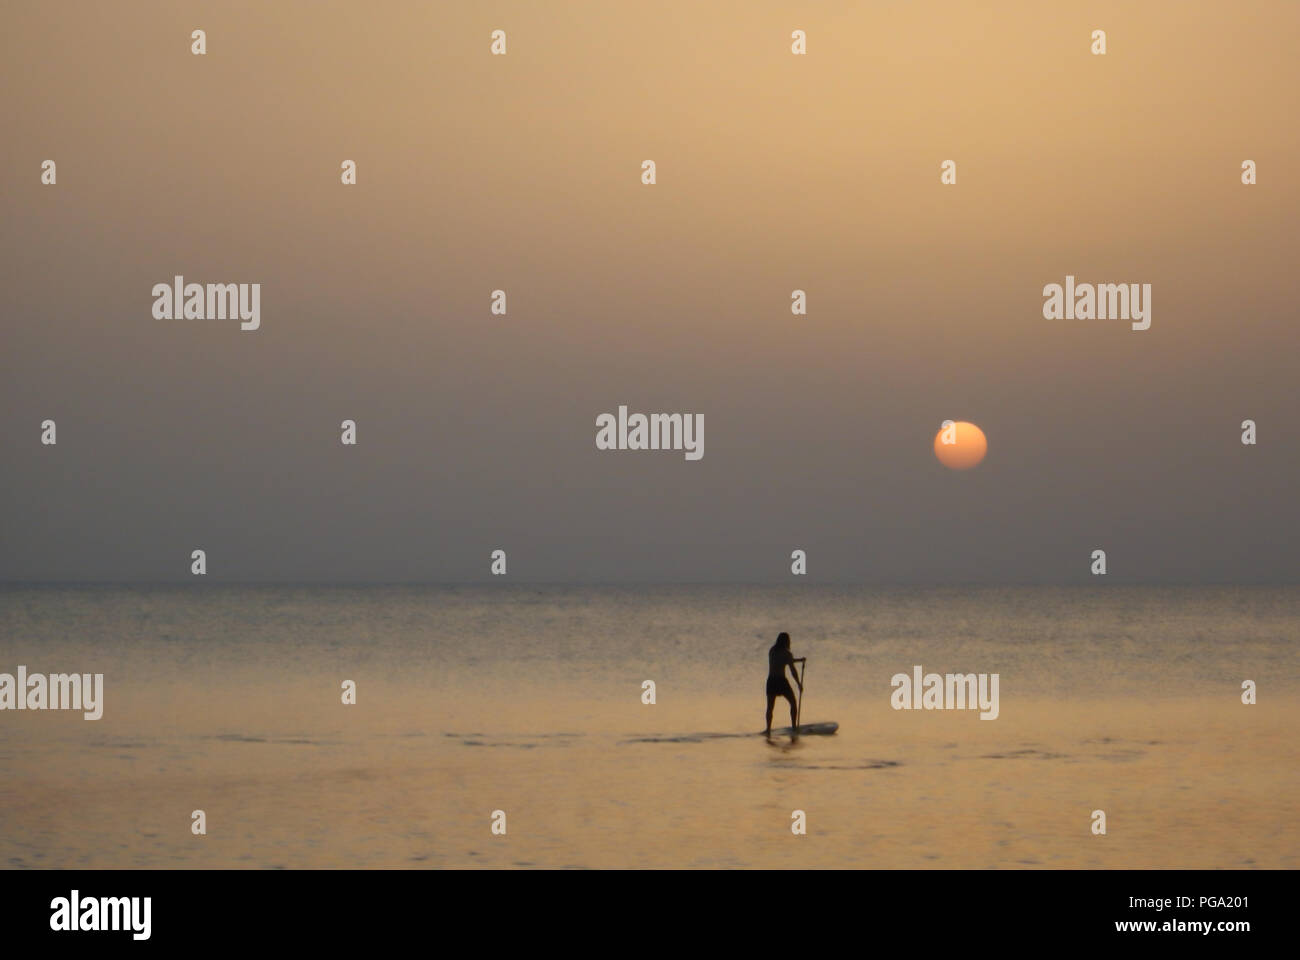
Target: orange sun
{"points": [[965, 448]]}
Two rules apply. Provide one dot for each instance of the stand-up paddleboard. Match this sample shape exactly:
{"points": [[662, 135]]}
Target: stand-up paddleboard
{"points": [[807, 730]]}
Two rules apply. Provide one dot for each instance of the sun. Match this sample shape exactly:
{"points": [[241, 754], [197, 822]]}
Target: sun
{"points": [[965, 446]]}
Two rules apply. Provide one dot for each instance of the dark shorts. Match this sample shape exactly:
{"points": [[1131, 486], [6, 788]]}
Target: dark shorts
{"points": [[779, 687]]}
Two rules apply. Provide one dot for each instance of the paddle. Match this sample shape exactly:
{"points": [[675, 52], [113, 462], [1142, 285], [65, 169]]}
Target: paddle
{"points": [[798, 708]]}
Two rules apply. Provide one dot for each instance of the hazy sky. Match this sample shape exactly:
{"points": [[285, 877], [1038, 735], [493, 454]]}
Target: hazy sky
{"points": [[775, 172]]}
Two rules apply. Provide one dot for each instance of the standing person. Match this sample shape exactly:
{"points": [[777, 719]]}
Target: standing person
{"points": [[778, 658]]}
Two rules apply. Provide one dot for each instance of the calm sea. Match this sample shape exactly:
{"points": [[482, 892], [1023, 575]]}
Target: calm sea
{"points": [[528, 700]]}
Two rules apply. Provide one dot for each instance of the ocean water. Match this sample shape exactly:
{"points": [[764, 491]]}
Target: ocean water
{"points": [[527, 699]]}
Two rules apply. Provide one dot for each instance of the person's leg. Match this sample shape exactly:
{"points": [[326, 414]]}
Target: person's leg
{"points": [[771, 703], [794, 711]]}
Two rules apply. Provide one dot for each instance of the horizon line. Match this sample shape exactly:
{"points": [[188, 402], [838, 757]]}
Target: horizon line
{"points": [[72, 582]]}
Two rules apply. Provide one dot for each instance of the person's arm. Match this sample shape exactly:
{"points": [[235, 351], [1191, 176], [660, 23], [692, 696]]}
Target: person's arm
{"points": [[795, 670]]}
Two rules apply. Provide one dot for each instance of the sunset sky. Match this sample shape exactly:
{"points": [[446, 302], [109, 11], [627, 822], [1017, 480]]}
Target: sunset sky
{"points": [[775, 172]]}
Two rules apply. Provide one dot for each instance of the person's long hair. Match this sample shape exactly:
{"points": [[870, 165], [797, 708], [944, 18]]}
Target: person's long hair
{"points": [[783, 640]]}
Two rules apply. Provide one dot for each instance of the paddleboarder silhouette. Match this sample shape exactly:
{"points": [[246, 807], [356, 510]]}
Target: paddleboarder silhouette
{"points": [[778, 658]]}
